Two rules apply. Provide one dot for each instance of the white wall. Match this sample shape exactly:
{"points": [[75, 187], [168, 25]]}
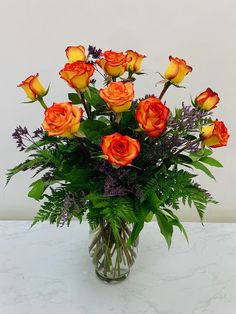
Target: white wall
{"points": [[35, 33]]}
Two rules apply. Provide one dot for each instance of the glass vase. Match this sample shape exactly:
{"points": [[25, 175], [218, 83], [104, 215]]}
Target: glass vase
{"points": [[111, 255]]}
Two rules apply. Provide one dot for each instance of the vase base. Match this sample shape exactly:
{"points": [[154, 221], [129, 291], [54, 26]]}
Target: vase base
{"points": [[111, 280]]}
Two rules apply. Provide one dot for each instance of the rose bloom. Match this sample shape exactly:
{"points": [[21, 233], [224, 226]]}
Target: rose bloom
{"points": [[120, 149], [215, 134], [32, 87], [77, 74], [207, 100], [152, 115], [62, 119], [177, 70], [134, 65], [118, 96], [75, 53], [113, 63]]}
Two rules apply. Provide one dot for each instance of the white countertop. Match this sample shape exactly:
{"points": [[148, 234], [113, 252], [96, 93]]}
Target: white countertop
{"points": [[47, 270]]}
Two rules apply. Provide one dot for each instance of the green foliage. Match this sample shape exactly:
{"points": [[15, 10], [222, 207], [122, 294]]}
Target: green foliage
{"points": [[54, 206], [114, 210], [93, 98], [94, 130], [169, 189], [202, 167], [211, 161], [37, 190], [74, 98]]}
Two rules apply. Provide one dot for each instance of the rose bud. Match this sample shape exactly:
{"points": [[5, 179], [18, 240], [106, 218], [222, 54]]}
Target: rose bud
{"points": [[118, 96], [113, 63], [32, 87], [75, 53], [120, 149], [134, 65], [152, 116], [77, 74], [62, 119], [177, 70], [207, 100], [215, 134]]}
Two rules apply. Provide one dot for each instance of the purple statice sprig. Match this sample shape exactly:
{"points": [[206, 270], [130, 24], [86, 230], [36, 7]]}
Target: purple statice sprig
{"points": [[21, 135], [38, 133], [119, 182], [66, 214], [94, 52], [189, 119], [70, 205]]}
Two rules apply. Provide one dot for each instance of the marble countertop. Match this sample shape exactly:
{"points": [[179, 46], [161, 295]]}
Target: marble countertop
{"points": [[46, 270]]}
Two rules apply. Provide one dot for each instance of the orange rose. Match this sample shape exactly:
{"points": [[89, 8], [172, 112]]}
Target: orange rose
{"points": [[118, 96], [152, 115], [113, 63], [120, 149], [207, 100], [177, 70], [215, 134], [77, 74], [62, 119], [75, 53], [32, 87], [134, 65]]}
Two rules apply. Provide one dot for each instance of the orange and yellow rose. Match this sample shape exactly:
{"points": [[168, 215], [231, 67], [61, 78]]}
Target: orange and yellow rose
{"points": [[134, 65], [62, 119], [215, 134], [77, 74], [75, 53], [207, 100], [32, 87], [177, 70], [118, 95], [120, 149], [113, 63], [152, 116]]}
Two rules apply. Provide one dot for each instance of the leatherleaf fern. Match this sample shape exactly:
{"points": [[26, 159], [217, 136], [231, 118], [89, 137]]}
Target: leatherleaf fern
{"points": [[167, 190]]}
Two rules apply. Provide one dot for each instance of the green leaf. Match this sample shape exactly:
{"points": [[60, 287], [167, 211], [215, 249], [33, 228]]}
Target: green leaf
{"points": [[204, 152], [165, 227], [74, 98], [129, 119], [202, 167], [94, 99], [176, 222], [37, 190], [94, 130], [79, 177], [149, 217], [211, 161], [104, 120], [135, 232], [184, 158]]}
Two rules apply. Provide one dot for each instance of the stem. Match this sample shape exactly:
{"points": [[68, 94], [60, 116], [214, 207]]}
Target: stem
{"points": [[186, 146], [118, 116], [40, 99], [111, 254], [85, 104], [166, 86]]}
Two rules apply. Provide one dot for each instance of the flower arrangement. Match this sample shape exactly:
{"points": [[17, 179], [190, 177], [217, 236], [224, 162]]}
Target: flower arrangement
{"points": [[117, 160]]}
